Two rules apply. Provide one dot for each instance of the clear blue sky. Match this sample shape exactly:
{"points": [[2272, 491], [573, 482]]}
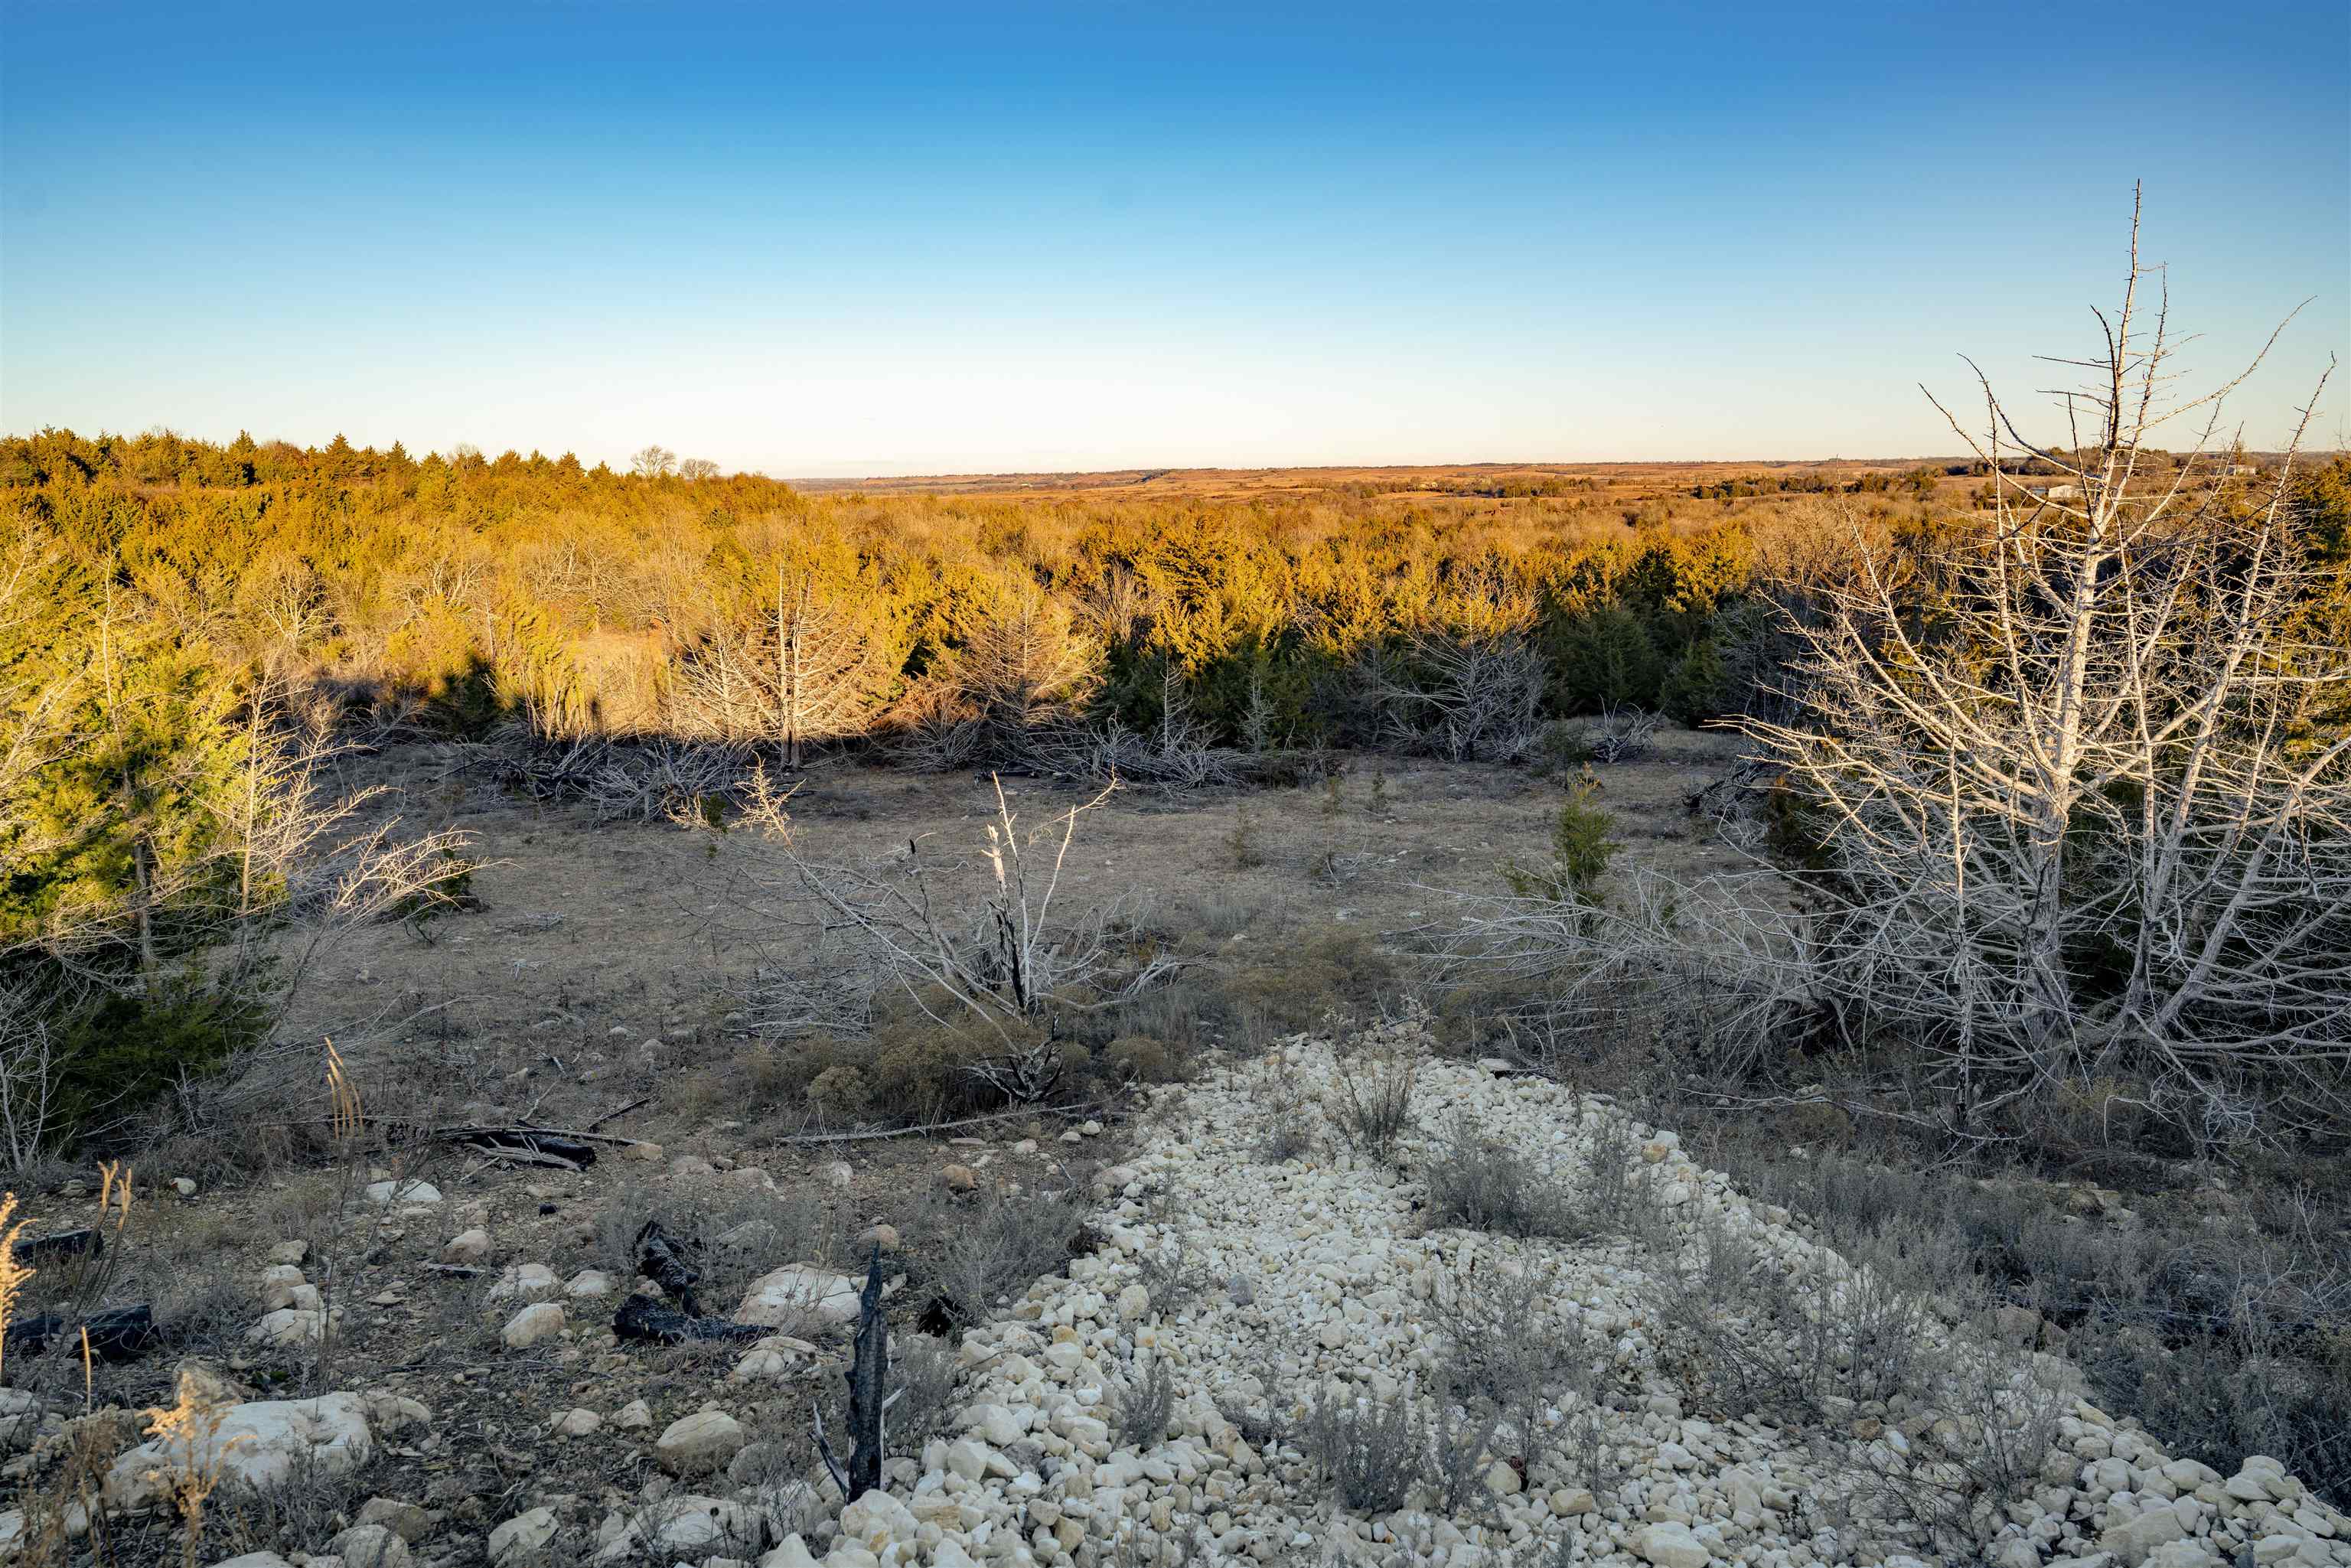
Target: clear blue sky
{"points": [[849, 239]]}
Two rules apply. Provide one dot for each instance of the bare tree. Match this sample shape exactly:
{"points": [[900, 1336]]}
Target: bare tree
{"points": [[2071, 813], [655, 462], [982, 939], [1467, 687], [1023, 678], [694, 469], [810, 670]]}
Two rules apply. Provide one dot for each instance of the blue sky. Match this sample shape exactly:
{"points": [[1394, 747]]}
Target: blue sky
{"points": [[912, 238]]}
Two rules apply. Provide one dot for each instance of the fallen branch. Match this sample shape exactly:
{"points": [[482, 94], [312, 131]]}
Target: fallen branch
{"points": [[869, 1135]]}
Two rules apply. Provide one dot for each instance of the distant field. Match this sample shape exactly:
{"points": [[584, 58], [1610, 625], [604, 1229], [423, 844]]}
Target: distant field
{"points": [[1600, 478]]}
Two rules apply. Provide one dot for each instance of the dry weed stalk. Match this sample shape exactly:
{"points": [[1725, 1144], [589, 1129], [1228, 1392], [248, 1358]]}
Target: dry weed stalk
{"points": [[1009, 964], [14, 1274]]}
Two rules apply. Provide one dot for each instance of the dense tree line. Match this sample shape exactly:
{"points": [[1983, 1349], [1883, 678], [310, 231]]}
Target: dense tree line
{"points": [[585, 601]]}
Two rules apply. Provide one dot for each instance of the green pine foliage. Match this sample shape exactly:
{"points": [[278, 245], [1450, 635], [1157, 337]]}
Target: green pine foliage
{"points": [[1581, 849]]}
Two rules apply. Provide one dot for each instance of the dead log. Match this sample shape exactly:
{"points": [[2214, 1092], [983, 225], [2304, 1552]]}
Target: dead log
{"points": [[868, 1377], [644, 1318], [668, 1262], [526, 1145], [118, 1333], [32, 1250]]}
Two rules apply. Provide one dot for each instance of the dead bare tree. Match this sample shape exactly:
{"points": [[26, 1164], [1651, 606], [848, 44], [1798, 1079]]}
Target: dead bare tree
{"points": [[807, 671], [979, 940], [870, 1397], [1467, 687], [2071, 817], [1717, 967], [1021, 680]]}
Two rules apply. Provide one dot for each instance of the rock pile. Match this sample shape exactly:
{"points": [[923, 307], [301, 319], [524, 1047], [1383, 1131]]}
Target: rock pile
{"points": [[1316, 1281]]}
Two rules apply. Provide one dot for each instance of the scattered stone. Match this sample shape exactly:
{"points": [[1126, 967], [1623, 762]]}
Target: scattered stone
{"points": [[959, 1178], [590, 1284], [700, 1443], [466, 1247], [577, 1421], [417, 1192], [183, 1186], [636, 1413], [523, 1542], [261, 1443], [535, 1323], [405, 1520], [371, 1546]]}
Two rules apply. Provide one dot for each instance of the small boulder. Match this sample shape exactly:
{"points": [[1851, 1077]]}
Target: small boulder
{"points": [[287, 1327], [523, 1541], [792, 1554], [796, 1292], [876, 1521], [959, 1178], [538, 1322], [1671, 1546], [700, 1443], [371, 1546], [635, 1414], [405, 1520], [530, 1281], [261, 1443], [577, 1421], [466, 1247], [589, 1285], [402, 1192]]}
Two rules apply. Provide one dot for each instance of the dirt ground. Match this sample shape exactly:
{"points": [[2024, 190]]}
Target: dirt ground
{"points": [[602, 954]]}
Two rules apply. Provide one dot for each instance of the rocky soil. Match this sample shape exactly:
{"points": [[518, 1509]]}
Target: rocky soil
{"points": [[1211, 1382]]}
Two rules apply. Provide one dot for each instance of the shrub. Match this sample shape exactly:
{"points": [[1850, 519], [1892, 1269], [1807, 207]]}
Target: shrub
{"points": [[127, 1048], [839, 1094], [1289, 1125], [1372, 1101], [1373, 1452], [1503, 1352], [973, 1254], [1142, 1059], [1140, 1417], [1605, 659], [1581, 849], [1698, 687], [1483, 1185]]}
